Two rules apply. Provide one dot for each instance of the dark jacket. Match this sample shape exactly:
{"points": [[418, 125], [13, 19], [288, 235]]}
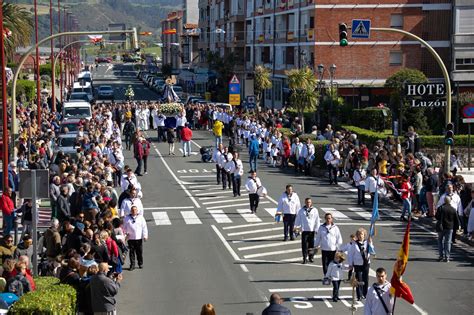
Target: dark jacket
{"points": [[103, 292], [447, 214], [276, 309], [63, 208]]}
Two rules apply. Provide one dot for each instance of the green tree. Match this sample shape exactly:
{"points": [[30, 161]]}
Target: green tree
{"points": [[224, 69], [302, 83], [20, 22], [411, 116], [262, 82]]}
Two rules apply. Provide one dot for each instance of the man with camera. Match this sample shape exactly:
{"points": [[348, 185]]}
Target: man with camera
{"points": [[103, 291]]}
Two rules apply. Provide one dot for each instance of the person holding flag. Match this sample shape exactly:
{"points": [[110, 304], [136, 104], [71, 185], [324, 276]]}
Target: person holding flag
{"points": [[398, 287], [379, 299]]}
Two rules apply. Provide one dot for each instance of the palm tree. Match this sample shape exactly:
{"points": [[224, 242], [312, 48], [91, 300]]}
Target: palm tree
{"points": [[20, 22], [302, 84], [262, 82]]}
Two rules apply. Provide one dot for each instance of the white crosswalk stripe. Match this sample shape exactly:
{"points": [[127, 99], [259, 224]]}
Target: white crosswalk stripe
{"points": [[271, 211], [190, 217], [361, 212], [279, 252], [221, 201], [248, 216], [337, 215], [161, 218], [220, 216]]}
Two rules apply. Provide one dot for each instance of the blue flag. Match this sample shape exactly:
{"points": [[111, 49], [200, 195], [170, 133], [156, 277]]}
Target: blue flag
{"points": [[375, 217]]}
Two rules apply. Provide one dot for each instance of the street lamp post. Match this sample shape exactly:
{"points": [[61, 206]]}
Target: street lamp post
{"points": [[38, 79], [332, 72], [320, 89], [4, 103], [51, 59]]}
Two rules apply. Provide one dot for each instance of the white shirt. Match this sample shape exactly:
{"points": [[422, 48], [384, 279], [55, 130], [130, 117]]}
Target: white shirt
{"points": [[216, 156], [135, 227], [455, 202], [180, 121], [371, 184], [297, 149], [308, 150], [332, 157], [252, 185], [239, 167], [335, 271], [224, 158], [359, 177], [127, 205], [289, 204], [354, 256], [328, 238], [373, 305], [308, 219], [229, 166], [125, 182]]}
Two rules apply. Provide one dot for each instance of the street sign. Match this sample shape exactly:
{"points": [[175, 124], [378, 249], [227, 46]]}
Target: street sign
{"points": [[468, 111], [360, 28], [234, 99], [42, 184], [234, 88], [251, 99], [234, 80], [468, 120]]}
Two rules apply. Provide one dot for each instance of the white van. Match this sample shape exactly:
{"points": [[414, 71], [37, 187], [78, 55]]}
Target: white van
{"points": [[77, 110], [83, 87]]}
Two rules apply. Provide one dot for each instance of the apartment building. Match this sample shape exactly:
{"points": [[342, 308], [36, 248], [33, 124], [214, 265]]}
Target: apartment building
{"points": [[222, 24], [180, 35], [284, 34], [463, 44]]}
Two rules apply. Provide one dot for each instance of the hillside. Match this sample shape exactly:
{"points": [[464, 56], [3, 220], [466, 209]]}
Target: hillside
{"points": [[97, 14]]}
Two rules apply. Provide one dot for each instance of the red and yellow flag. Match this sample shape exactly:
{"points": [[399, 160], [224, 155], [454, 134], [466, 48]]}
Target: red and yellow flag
{"points": [[400, 288]]}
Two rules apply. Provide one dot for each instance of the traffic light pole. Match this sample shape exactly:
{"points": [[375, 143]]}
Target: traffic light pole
{"points": [[447, 148]]}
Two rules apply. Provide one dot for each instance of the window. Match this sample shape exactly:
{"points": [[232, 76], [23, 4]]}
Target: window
{"points": [[395, 58], [311, 22], [464, 20], [290, 55], [248, 54], [266, 55], [396, 21], [465, 64]]}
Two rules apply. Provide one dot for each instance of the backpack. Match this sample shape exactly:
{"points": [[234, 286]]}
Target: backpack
{"points": [[14, 285]]}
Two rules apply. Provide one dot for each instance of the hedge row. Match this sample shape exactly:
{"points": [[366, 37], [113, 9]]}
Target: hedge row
{"points": [[370, 137], [373, 118], [49, 298]]}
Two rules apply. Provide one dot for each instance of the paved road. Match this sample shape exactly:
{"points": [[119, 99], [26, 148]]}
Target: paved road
{"points": [[206, 247]]}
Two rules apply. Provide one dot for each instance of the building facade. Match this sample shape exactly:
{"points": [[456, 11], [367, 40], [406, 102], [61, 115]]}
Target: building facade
{"points": [[286, 34], [462, 65]]}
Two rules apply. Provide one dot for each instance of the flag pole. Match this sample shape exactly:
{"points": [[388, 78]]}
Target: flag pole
{"points": [[394, 302]]}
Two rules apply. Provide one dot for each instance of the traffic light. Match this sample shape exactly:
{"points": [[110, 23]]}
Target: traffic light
{"points": [[343, 35], [449, 136]]}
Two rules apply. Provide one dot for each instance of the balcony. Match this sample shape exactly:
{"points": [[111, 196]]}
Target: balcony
{"points": [[290, 36], [310, 34]]}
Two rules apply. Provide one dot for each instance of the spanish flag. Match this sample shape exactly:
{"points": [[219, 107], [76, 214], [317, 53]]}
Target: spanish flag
{"points": [[400, 288]]}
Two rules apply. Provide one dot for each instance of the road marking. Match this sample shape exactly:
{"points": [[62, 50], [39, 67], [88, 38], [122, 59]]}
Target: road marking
{"points": [[220, 216], [271, 199], [244, 268], [200, 186], [212, 198], [196, 144], [168, 208], [268, 237], [336, 214], [254, 231], [236, 205], [362, 212], [190, 217], [267, 245], [248, 216], [221, 201], [246, 225], [368, 223], [195, 176], [325, 300], [161, 218], [307, 289], [345, 185], [176, 178], [271, 211], [211, 193], [419, 309], [226, 245], [279, 252]]}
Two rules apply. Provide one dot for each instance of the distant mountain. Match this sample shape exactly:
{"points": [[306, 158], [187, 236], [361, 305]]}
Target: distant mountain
{"points": [[146, 15]]}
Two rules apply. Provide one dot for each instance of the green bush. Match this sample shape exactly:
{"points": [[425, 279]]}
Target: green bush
{"points": [[46, 70], [26, 87], [49, 298], [368, 136], [373, 118]]}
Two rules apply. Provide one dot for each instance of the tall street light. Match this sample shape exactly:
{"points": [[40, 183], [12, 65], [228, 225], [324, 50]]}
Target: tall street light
{"points": [[4, 103], [38, 79], [51, 59], [332, 72], [320, 90]]}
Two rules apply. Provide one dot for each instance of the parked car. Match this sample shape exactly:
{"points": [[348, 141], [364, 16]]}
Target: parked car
{"points": [[67, 143], [105, 92], [72, 125], [103, 59], [80, 96]]}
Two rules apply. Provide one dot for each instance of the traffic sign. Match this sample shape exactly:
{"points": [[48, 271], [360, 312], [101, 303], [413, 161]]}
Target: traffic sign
{"points": [[234, 80], [360, 28], [468, 111], [468, 120], [234, 88], [234, 99]]}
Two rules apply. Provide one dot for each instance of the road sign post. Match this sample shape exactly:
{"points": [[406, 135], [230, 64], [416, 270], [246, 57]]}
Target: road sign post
{"points": [[234, 91]]}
